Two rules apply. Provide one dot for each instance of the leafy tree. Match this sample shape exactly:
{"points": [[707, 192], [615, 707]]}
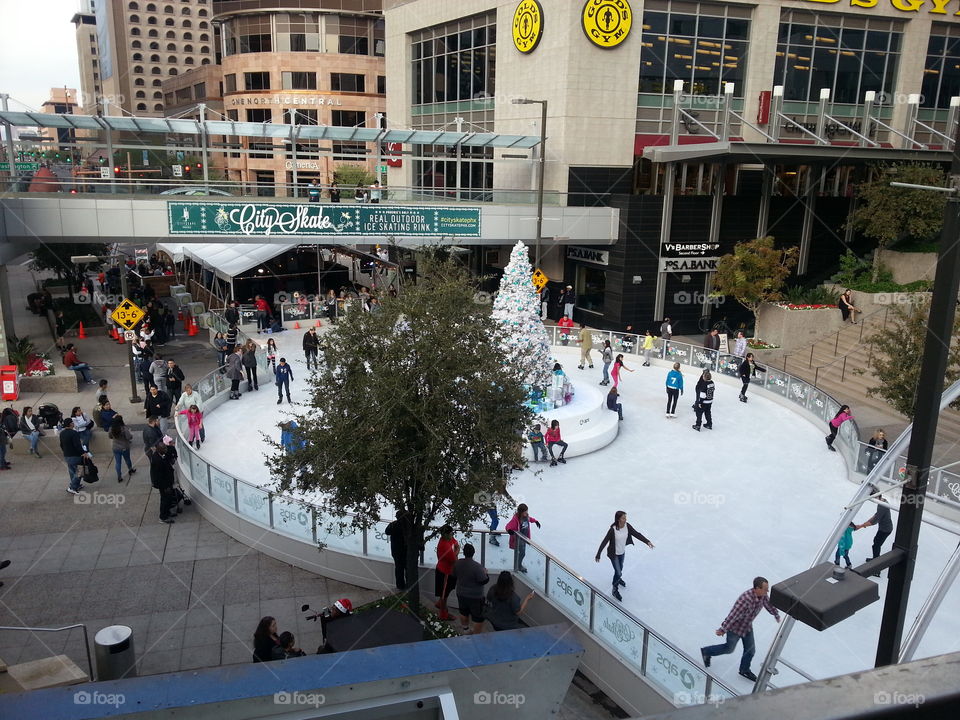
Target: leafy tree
{"points": [[56, 257], [890, 214], [348, 176], [895, 359], [754, 273], [406, 414]]}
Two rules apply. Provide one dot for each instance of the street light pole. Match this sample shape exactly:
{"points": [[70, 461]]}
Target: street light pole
{"points": [[543, 162]]}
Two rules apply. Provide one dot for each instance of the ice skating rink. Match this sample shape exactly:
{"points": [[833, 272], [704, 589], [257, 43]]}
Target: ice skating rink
{"points": [[754, 496]]}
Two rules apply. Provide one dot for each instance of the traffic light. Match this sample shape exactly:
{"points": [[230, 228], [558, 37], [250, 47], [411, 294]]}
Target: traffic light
{"points": [[73, 191], [199, 166], [102, 160], [116, 171], [186, 168]]}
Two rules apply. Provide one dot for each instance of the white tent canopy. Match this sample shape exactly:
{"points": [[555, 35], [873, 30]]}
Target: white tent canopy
{"points": [[227, 261]]}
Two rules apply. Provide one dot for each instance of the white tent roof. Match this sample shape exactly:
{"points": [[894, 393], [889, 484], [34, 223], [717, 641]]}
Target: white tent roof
{"points": [[227, 261]]}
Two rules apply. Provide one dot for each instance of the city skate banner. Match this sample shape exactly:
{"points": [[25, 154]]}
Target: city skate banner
{"points": [[323, 220]]}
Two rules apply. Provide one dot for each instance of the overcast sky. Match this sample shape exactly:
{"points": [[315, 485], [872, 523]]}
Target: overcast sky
{"points": [[38, 50]]}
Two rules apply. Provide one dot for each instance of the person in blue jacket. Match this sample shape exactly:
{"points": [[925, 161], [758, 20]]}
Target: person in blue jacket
{"points": [[283, 375], [286, 436], [674, 389]]}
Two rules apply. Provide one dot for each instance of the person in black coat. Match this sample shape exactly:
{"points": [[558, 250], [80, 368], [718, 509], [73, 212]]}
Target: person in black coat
{"points": [[311, 347], [620, 534], [158, 403], [232, 314], [162, 478], [703, 405], [748, 368], [397, 531], [152, 435], [174, 381]]}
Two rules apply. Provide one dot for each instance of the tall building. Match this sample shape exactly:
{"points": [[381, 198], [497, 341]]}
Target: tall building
{"points": [[62, 101], [128, 47]]}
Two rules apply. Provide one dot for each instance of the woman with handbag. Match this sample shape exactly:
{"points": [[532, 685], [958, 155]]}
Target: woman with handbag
{"points": [[121, 437], [30, 427]]}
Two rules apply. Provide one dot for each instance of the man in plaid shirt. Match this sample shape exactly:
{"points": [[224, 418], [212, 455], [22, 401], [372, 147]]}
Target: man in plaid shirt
{"points": [[739, 625]]}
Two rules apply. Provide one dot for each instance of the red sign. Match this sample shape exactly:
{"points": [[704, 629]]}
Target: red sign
{"points": [[763, 110], [393, 152]]}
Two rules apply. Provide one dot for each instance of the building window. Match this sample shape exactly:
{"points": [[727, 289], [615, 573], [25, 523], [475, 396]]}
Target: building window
{"points": [[93, 38], [157, 95], [137, 57], [135, 44], [170, 35], [188, 48], [351, 45], [381, 85], [591, 284], [847, 54], [704, 50], [135, 19], [298, 32], [199, 91], [168, 9], [204, 37], [151, 21], [299, 80], [264, 146], [204, 50], [297, 116], [349, 118], [171, 47], [158, 107], [133, 6], [256, 81], [137, 70], [169, 22], [205, 61], [203, 25], [941, 73], [455, 61], [349, 150], [347, 82], [154, 46], [171, 71], [187, 24], [182, 96], [140, 95], [139, 82], [185, 11], [151, 7], [141, 106], [136, 31], [202, 13], [188, 61], [150, 33], [435, 172], [188, 35], [231, 82], [155, 58], [157, 83], [172, 59]]}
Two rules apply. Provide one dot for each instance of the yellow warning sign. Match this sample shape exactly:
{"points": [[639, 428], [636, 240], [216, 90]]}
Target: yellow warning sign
{"points": [[527, 25], [127, 314], [539, 279], [606, 22]]}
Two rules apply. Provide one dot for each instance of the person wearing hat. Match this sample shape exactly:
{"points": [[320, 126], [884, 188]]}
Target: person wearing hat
{"points": [[340, 609], [162, 478], [568, 298]]}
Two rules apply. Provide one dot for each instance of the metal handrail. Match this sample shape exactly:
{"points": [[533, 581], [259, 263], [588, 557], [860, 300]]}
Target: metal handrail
{"points": [[860, 344], [835, 335], [86, 639]]}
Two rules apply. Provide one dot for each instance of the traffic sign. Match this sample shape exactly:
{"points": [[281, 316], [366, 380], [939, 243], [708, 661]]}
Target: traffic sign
{"points": [[127, 314], [539, 279], [129, 335], [21, 166], [177, 170], [381, 168], [104, 173]]}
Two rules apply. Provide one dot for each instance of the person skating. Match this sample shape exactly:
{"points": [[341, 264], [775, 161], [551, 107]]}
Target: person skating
{"points": [[607, 358], [535, 438], [585, 340], [565, 323], [843, 414], [284, 375], [272, 353], [647, 348], [738, 625], [844, 545], [235, 371], [618, 366], [748, 368], [249, 361], [674, 389], [620, 534], [881, 518], [311, 347], [703, 406], [553, 438], [194, 424], [448, 551], [614, 404], [519, 524]]}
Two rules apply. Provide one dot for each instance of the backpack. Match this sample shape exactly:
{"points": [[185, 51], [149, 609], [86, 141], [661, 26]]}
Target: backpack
{"points": [[88, 471]]}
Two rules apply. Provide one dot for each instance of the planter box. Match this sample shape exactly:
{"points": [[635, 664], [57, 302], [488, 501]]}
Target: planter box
{"points": [[792, 329], [64, 382], [868, 302], [908, 267]]}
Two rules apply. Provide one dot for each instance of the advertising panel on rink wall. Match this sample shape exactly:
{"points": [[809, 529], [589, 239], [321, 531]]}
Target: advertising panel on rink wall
{"points": [[333, 220]]}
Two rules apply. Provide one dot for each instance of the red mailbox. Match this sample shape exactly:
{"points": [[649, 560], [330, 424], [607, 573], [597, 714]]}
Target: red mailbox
{"points": [[8, 381]]}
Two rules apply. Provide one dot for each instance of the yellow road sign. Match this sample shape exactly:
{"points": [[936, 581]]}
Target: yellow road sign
{"points": [[539, 279], [127, 314]]}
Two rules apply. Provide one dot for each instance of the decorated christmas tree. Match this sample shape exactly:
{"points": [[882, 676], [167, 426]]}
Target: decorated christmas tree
{"points": [[516, 310]]}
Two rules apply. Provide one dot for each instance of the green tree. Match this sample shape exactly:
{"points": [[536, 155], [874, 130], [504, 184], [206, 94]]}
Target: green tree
{"points": [[406, 415], [754, 273], [347, 176], [896, 353], [56, 256], [890, 214]]}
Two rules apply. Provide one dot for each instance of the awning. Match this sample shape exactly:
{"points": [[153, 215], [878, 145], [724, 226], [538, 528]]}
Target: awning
{"points": [[227, 261], [802, 153], [187, 126]]}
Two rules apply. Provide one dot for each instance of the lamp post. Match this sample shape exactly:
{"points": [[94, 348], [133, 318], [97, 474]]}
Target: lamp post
{"points": [[83, 259], [543, 160]]}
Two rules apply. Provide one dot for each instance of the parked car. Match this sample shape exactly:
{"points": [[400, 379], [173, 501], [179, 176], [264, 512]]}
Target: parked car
{"points": [[195, 190]]}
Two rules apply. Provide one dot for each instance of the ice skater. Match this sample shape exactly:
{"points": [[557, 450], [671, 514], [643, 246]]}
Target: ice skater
{"points": [[740, 344], [535, 438], [585, 339], [617, 367], [283, 375], [553, 438], [748, 368], [647, 348], [881, 518], [607, 358], [194, 424], [703, 405], [614, 404], [843, 547], [620, 534], [674, 389], [738, 625], [519, 524], [843, 414]]}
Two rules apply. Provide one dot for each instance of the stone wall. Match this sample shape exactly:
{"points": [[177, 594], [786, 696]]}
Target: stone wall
{"points": [[908, 267], [792, 329]]}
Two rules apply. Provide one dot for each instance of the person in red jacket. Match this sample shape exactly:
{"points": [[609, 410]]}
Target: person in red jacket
{"points": [[553, 438], [520, 524], [565, 323], [263, 314], [72, 362], [448, 550]]}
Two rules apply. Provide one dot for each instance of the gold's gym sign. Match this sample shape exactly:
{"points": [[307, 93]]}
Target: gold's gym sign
{"points": [[527, 26], [934, 7], [606, 22]]}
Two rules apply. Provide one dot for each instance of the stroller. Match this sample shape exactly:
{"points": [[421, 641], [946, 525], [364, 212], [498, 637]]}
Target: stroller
{"points": [[50, 415]]}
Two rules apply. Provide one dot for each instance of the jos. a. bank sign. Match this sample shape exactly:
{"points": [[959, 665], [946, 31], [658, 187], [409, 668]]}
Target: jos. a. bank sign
{"points": [[934, 7]]}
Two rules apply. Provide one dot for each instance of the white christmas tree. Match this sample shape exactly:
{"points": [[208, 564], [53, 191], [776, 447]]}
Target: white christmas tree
{"points": [[517, 310]]}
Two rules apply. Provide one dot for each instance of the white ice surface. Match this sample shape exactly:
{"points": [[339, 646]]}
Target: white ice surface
{"points": [[754, 496]]}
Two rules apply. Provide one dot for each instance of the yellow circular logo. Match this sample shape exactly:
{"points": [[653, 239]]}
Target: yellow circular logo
{"points": [[527, 26], [607, 22]]}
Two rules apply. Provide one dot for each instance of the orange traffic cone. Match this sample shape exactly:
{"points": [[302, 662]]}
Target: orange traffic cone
{"points": [[179, 315], [120, 337], [81, 333], [296, 325], [318, 324], [112, 333], [194, 330]]}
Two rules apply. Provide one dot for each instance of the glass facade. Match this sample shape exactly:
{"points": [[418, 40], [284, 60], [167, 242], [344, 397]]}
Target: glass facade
{"points": [[848, 54], [941, 73], [303, 32], [704, 48], [455, 61]]}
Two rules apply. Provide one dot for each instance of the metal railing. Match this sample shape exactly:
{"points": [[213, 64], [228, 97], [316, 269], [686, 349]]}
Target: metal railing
{"points": [[86, 639], [835, 336]]}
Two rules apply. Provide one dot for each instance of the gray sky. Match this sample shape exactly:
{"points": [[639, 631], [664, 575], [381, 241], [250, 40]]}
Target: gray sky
{"points": [[38, 50]]}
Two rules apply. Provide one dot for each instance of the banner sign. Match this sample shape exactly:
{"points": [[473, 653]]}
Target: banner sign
{"points": [[326, 220], [21, 166]]}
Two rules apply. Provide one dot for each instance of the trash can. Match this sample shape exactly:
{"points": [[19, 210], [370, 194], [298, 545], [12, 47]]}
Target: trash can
{"points": [[114, 654], [8, 382]]}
